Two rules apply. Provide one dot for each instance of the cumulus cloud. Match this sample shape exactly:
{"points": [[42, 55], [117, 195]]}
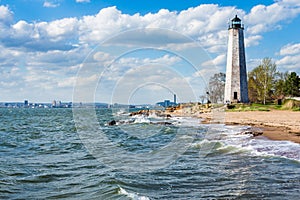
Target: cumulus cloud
{"points": [[6, 15], [61, 29], [264, 18], [253, 40], [290, 2], [205, 23], [290, 49], [52, 51], [42, 36], [290, 63], [195, 22], [291, 57]]}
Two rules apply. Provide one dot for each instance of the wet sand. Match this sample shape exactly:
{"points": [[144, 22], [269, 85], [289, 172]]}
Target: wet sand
{"points": [[276, 125]]}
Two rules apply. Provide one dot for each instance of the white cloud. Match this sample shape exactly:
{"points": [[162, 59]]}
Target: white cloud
{"points": [[154, 79], [290, 63], [83, 1], [10, 77], [48, 4], [42, 36], [252, 40], [195, 22], [290, 2], [266, 18], [61, 29], [80, 81], [49, 53], [290, 49], [205, 23], [6, 15], [117, 68], [217, 62], [102, 56], [291, 58]]}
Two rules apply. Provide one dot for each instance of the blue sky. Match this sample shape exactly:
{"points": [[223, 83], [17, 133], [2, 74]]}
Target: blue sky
{"points": [[134, 51]]}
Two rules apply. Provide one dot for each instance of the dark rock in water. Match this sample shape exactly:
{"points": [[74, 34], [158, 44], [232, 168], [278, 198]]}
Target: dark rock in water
{"points": [[162, 123], [140, 112], [112, 123], [253, 131], [149, 112]]}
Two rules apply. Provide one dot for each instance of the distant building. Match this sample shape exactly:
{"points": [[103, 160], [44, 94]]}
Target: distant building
{"points": [[236, 86], [166, 103], [175, 99], [26, 103]]}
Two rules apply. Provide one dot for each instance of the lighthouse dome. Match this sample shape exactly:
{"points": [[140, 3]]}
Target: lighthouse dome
{"points": [[236, 22]]}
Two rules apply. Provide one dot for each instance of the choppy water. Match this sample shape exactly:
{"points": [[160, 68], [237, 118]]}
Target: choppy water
{"points": [[42, 156]]}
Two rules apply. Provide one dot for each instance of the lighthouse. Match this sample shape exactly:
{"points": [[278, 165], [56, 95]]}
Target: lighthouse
{"points": [[236, 86]]}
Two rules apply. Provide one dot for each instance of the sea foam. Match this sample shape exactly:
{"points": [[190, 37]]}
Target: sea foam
{"points": [[132, 195]]}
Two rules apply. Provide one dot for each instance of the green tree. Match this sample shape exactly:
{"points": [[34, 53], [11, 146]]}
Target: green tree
{"points": [[252, 92], [292, 84], [262, 80], [279, 90]]}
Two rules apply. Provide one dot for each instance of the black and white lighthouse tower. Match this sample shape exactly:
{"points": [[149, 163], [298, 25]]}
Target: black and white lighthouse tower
{"points": [[236, 86]]}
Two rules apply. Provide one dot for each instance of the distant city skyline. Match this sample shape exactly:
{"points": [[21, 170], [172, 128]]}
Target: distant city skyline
{"points": [[45, 44]]}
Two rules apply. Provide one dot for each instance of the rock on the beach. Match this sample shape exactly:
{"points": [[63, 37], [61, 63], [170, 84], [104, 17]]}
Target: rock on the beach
{"points": [[253, 131]]}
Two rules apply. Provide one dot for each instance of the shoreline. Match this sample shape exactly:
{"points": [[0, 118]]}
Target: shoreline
{"points": [[275, 124], [281, 125], [275, 133]]}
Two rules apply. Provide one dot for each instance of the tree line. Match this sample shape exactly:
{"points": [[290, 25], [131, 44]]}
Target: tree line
{"points": [[265, 84]]}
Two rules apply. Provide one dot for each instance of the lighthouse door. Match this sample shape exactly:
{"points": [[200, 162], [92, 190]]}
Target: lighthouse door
{"points": [[235, 95]]}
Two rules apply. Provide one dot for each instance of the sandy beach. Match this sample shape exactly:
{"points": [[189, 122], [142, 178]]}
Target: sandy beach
{"points": [[276, 124]]}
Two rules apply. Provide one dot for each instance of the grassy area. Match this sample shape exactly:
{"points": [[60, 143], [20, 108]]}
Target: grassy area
{"points": [[288, 105], [248, 107]]}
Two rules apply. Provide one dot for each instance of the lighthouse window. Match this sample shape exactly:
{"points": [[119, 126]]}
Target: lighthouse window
{"points": [[235, 95]]}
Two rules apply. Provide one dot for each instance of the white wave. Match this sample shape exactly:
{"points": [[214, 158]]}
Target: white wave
{"points": [[198, 145], [187, 121], [121, 112], [141, 119], [231, 139], [132, 195], [259, 146], [266, 147], [154, 116]]}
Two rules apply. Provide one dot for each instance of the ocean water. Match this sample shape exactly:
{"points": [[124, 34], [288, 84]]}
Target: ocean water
{"points": [[54, 154]]}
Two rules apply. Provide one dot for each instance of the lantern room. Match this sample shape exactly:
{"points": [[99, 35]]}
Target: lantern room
{"points": [[236, 23]]}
